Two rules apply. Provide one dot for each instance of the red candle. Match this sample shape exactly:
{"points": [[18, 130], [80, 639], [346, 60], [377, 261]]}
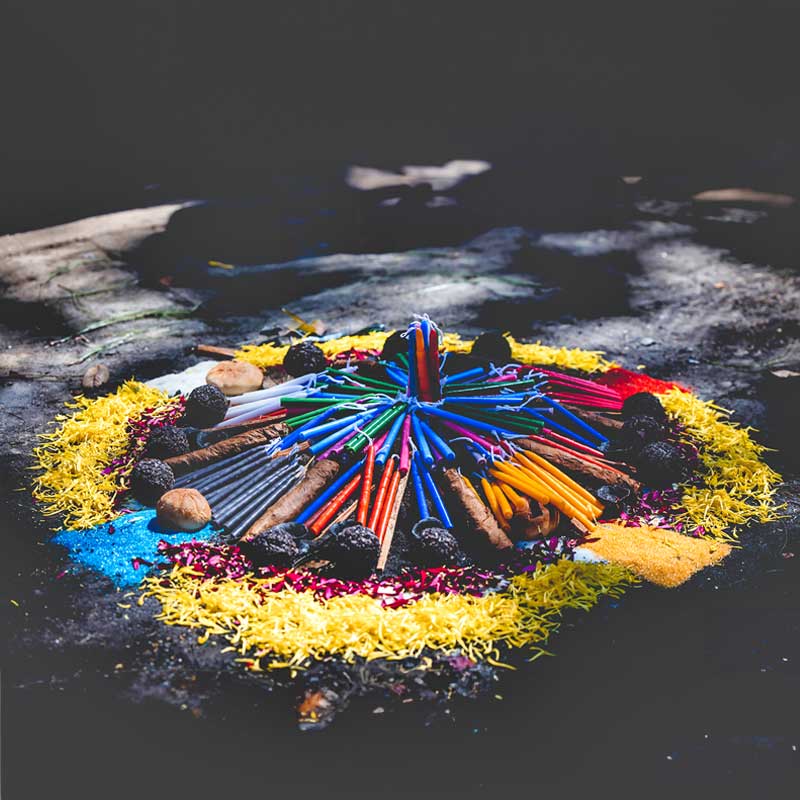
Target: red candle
{"points": [[433, 365], [380, 495], [422, 367], [333, 507], [366, 486]]}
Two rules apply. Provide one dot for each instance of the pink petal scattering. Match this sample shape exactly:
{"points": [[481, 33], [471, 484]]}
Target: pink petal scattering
{"points": [[211, 561], [139, 432]]}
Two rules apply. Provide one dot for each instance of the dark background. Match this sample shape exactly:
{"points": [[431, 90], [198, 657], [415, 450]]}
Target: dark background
{"points": [[102, 100], [112, 105]]}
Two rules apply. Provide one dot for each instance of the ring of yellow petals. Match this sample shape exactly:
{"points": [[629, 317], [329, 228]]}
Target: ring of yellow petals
{"points": [[290, 628]]}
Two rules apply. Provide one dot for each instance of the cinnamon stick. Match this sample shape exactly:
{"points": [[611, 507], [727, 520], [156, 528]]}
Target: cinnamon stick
{"points": [[479, 519], [225, 449], [531, 527], [565, 460], [319, 476], [595, 418]]}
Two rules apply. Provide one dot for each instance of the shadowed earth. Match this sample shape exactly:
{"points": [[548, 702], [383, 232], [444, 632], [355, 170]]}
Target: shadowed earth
{"points": [[694, 687]]}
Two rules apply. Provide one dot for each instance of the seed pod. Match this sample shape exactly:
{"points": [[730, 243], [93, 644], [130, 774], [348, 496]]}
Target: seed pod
{"points": [[95, 377]]}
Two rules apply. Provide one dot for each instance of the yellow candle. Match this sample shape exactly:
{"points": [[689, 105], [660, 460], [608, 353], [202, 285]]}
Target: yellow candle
{"points": [[519, 503], [553, 470]]}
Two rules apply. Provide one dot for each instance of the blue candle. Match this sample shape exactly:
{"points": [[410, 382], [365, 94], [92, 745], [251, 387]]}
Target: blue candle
{"points": [[419, 490], [400, 377], [576, 419], [383, 454], [293, 437], [491, 400], [556, 427], [468, 422], [329, 427], [467, 375], [438, 442], [437, 499], [332, 490], [420, 440], [329, 441]]}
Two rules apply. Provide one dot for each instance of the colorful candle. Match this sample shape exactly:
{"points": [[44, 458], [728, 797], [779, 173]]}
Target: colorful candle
{"points": [[420, 440], [380, 494], [366, 486], [421, 357], [433, 491], [419, 490], [341, 481], [391, 437], [438, 442], [336, 503], [388, 505], [405, 438]]}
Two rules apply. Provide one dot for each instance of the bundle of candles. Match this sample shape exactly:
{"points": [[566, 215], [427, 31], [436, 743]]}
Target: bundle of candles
{"points": [[486, 450]]}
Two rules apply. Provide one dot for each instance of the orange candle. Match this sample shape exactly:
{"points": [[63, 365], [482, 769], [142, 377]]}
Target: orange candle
{"points": [[380, 495], [333, 507], [388, 505]]}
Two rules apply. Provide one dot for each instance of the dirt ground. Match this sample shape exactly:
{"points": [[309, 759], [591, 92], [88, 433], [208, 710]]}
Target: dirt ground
{"points": [[692, 687]]}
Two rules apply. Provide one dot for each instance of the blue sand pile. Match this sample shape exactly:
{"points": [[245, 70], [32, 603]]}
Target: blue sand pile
{"points": [[112, 547]]}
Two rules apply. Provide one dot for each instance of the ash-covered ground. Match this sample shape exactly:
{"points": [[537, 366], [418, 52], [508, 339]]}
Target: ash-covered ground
{"points": [[697, 686]]}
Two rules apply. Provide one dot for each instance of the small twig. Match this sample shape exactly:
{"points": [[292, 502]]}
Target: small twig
{"points": [[63, 270], [111, 343], [126, 337], [342, 515], [163, 313], [386, 544], [90, 292]]}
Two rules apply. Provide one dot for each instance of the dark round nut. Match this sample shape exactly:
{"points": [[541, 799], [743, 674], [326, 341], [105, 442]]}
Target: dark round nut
{"points": [[433, 545], [644, 404], [613, 498], [638, 431], [304, 358], [394, 346], [150, 479], [273, 547], [492, 347], [661, 464], [167, 442], [352, 549], [205, 406]]}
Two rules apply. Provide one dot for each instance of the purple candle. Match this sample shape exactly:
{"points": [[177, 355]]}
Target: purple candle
{"points": [[404, 447]]}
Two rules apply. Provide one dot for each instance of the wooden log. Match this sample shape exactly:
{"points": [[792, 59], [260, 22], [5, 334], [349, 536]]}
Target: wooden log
{"points": [[479, 519], [319, 476], [214, 352], [225, 449], [565, 460]]}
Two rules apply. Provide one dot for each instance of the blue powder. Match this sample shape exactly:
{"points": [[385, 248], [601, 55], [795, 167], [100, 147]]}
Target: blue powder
{"points": [[110, 548]]}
